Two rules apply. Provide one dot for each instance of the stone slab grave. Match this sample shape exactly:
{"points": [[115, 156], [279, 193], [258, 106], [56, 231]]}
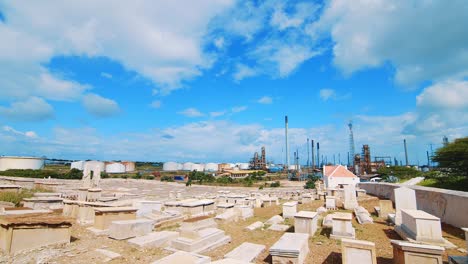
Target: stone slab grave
{"points": [[223, 207], [349, 197], [342, 226], [405, 198], [363, 216], [26, 231], [190, 227], [385, 207], [103, 217], [420, 227], [276, 219], [290, 248], [305, 222], [181, 257], [228, 216], [204, 240], [410, 253], [289, 209], [10, 188], [107, 254], [125, 229], [154, 239], [278, 227], [165, 218], [244, 211], [254, 226], [146, 207], [330, 203], [357, 251], [328, 221], [246, 252], [36, 203], [93, 194]]}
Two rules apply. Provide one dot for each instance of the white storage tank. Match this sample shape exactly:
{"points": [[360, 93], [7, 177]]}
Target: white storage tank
{"points": [[115, 167], [187, 166], [211, 167], [244, 166], [294, 167], [129, 165], [172, 166], [198, 167], [21, 163], [79, 165], [92, 164]]}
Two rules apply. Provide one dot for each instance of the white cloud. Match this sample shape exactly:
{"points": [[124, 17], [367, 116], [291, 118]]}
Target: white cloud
{"points": [[156, 104], [106, 75], [219, 42], [327, 94], [265, 100], [27, 134], [366, 34], [31, 109], [238, 109], [283, 21], [191, 112], [243, 71], [170, 38], [100, 106], [217, 114], [449, 94]]}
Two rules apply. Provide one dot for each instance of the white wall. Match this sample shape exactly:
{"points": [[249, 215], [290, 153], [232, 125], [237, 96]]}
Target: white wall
{"points": [[333, 182]]}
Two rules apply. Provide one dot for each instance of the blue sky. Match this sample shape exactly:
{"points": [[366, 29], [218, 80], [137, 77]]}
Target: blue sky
{"points": [[211, 80]]}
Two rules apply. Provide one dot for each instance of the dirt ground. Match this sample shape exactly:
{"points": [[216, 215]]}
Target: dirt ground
{"points": [[322, 249]]}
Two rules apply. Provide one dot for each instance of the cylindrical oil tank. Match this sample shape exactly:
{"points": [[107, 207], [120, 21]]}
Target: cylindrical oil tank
{"points": [[129, 165], [171, 166], [115, 167], [92, 164], [79, 165], [21, 163], [198, 167], [244, 166], [187, 166], [211, 167]]}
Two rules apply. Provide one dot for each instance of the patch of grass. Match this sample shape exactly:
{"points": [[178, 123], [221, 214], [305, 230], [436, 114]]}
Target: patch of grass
{"points": [[16, 198], [448, 182]]}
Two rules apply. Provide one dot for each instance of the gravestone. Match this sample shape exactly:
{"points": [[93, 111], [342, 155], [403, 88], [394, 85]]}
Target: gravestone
{"points": [[350, 200], [410, 253], [290, 248], [420, 226], [305, 222], [405, 198], [330, 203], [342, 226], [358, 251], [385, 207], [246, 252], [289, 209]]}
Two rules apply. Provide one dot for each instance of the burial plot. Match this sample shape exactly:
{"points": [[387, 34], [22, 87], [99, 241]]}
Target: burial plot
{"points": [[305, 222], [357, 252], [410, 253]]}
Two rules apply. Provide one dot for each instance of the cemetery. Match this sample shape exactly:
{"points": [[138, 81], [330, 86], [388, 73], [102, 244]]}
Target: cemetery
{"points": [[140, 221]]}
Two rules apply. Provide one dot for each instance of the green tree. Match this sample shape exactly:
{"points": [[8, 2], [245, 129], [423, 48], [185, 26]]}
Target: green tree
{"points": [[454, 157]]}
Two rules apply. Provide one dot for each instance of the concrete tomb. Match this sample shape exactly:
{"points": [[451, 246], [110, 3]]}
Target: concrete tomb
{"points": [[357, 252], [350, 200], [228, 216], [181, 257], [305, 222], [289, 209], [103, 217], [37, 203], [421, 227], [22, 232], [409, 253], [154, 239], [254, 226], [246, 252], [223, 207], [405, 198], [328, 221], [363, 216], [330, 203], [244, 211], [146, 207], [278, 227], [93, 194], [385, 207], [10, 188], [290, 248], [342, 226], [125, 229], [276, 219], [165, 218], [201, 241]]}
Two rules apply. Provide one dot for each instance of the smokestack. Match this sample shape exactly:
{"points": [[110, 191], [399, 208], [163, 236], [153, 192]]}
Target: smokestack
{"points": [[318, 154], [308, 153], [406, 152], [428, 160], [313, 154], [287, 144]]}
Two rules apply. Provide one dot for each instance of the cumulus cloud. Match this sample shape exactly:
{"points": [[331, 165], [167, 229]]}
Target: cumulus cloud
{"points": [[449, 95], [191, 112], [238, 109], [366, 34], [31, 109], [243, 71], [265, 100], [326, 94], [100, 106]]}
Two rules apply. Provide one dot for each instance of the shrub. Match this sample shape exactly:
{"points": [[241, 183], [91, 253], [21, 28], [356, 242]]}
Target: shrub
{"points": [[167, 178], [310, 184], [275, 184], [148, 177]]}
